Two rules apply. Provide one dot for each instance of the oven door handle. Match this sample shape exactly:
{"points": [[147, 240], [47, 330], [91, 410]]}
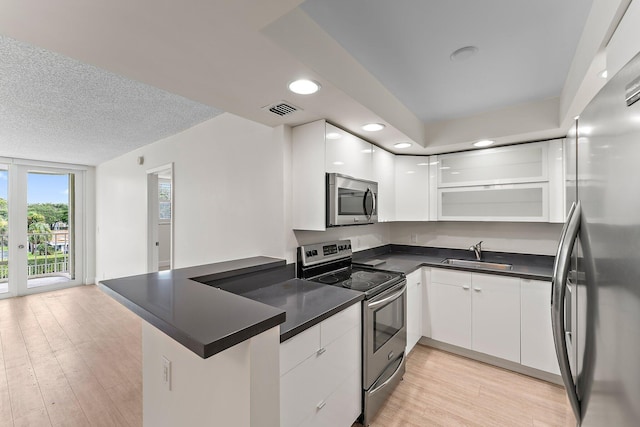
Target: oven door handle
{"points": [[374, 304], [388, 380]]}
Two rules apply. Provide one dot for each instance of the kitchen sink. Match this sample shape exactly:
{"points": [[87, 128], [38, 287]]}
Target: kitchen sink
{"points": [[478, 264]]}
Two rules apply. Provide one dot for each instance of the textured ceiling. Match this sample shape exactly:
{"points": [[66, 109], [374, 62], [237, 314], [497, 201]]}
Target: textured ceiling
{"points": [[525, 49], [58, 109]]}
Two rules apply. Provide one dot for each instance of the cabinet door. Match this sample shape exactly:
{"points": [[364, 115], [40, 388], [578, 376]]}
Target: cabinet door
{"points": [[412, 188], [501, 165], [384, 173], [537, 345], [450, 307], [347, 154], [516, 202], [496, 316], [414, 309]]}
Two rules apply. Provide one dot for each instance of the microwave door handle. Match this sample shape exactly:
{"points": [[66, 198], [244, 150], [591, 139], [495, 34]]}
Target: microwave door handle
{"points": [[375, 203], [364, 203], [558, 293]]}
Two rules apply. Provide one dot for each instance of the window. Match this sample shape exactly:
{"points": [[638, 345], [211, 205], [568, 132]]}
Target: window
{"points": [[164, 200]]}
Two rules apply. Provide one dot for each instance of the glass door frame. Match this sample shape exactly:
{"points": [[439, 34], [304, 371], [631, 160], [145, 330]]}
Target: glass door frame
{"points": [[17, 229]]}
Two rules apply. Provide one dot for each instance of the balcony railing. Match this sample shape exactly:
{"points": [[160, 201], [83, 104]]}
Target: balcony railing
{"points": [[48, 254]]}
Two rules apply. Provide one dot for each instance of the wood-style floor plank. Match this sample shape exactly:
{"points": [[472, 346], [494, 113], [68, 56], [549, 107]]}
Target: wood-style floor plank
{"points": [[442, 389], [73, 357]]}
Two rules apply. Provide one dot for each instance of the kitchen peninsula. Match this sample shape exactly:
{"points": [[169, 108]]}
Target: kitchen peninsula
{"points": [[209, 351]]}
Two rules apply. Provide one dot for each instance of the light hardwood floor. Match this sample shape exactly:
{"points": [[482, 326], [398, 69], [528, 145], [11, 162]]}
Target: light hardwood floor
{"points": [[69, 357], [442, 389], [73, 358]]}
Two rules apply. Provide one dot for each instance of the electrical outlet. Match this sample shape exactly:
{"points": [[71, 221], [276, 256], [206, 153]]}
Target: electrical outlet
{"points": [[166, 373], [414, 238]]}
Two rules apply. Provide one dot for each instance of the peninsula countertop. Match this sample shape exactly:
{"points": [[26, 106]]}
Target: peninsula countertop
{"points": [[212, 307], [205, 319]]}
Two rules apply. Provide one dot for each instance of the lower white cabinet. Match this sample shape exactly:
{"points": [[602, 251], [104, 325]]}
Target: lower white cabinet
{"points": [[477, 311], [414, 308], [450, 306], [495, 316], [538, 350], [320, 373]]}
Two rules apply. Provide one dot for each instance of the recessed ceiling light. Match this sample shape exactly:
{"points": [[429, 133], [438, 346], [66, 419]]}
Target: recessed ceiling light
{"points": [[304, 87], [483, 143], [463, 53], [338, 163], [603, 74], [333, 135], [373, 127], [402, 145]]}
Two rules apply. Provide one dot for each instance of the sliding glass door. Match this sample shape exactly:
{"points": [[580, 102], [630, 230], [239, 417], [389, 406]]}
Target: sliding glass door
{"points": [[42, 243]]}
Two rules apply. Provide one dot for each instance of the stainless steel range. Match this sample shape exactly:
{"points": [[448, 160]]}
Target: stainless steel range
{"points": [[384, 318]]}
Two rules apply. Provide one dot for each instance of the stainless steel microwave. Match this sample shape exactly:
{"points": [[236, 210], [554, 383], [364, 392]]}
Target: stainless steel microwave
{"points": [[351, 201]]}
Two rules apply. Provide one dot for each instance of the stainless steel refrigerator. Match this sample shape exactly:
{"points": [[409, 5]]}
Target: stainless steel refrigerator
{"points": [[596, 283]]}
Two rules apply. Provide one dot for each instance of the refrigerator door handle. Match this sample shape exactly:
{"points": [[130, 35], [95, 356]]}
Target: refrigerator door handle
{"points": [[558, 290]]}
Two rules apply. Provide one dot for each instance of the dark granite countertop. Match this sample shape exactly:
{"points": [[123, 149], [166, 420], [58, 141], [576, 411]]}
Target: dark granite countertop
{"points": [[212, 307], [406, 259], [203, 318], [306, 303]]}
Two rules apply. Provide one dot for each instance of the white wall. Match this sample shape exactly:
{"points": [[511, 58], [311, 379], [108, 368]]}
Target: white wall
{"points": [[530, 238], [361, 236], [228, 190]]}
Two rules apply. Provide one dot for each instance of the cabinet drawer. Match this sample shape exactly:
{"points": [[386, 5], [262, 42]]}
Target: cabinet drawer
{"points": [[317, 377], [339, 324], [450, 277], [342, 407], [295, 350]]}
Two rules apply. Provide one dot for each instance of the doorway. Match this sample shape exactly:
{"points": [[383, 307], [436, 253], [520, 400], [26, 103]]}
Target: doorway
{"points": [[41, 239], [160, 212]]}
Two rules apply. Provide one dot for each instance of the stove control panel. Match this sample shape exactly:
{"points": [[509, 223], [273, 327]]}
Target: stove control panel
{"points": [[324, 252]]}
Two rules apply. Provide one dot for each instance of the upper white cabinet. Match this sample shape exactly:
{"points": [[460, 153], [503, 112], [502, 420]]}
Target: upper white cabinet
{"points": [[384, 173], [522, 182], [502, 165], [505, 202], [412, 188], [347, 154], [319, 148]]}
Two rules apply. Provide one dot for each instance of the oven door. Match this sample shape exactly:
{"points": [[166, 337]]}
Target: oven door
{"points": [[350, 201], [385, 337]]}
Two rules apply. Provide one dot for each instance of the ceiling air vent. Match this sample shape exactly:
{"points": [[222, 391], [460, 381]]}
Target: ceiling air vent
{"points": [[282, 108]]}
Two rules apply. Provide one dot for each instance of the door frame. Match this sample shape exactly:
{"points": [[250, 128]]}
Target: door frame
{"points": [[17, 201], [153, 219]]}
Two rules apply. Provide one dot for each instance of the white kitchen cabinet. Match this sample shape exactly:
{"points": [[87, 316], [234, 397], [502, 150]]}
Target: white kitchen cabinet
{"points": [[476, 311], [320, 372], [319, 148], [537, 346], [347, 154], [384, 173], [501, 165], [412, 188], [505, 202], [414, 309], [557, 187], [495, 319], [450, 306]]}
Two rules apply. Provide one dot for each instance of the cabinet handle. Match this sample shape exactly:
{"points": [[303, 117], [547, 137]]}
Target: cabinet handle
{"points": [[477, 289], [321, 405], [465, 287], [322, 350]]}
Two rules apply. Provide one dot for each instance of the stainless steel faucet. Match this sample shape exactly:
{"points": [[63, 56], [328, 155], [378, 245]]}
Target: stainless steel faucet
{"points": [[477, 249]]}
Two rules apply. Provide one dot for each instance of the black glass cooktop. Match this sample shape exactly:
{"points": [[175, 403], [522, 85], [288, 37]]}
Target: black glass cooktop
{"points": [[369, 281]]}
